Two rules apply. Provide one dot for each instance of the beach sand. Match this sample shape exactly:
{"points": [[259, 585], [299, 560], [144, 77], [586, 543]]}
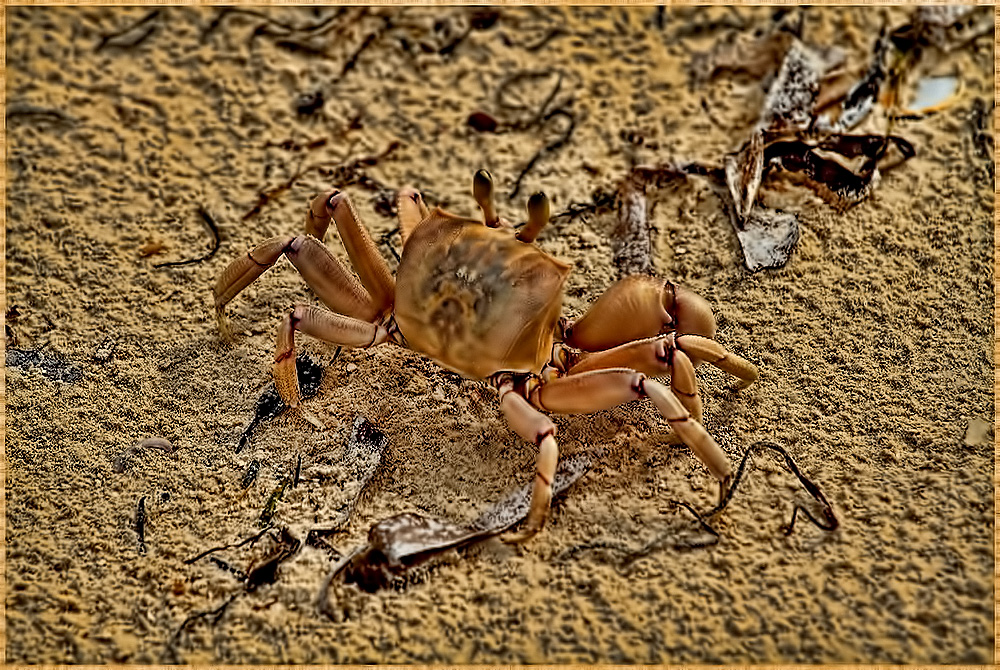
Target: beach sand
{"points": [[874, 343]]}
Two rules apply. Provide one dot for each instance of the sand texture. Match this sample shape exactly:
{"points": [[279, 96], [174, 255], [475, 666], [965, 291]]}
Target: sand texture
{"points": [[129, 128]]}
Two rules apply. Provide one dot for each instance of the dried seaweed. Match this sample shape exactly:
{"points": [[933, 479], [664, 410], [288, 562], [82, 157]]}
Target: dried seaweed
{"points": [[216, 242], [132, 36], [269, 404], [140, 525], [673, 538], [346, 173], [405, 541], [547, 149], [51, 368]]}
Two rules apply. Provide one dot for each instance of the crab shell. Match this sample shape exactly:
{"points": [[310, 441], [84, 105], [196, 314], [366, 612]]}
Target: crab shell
{"points": [[476, 299]]}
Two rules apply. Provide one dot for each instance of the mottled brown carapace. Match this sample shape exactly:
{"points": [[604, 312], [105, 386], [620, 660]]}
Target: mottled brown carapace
{"points": [[476, 299]]}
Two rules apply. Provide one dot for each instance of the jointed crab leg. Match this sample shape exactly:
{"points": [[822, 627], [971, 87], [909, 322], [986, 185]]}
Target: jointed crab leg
{"points": [[361, 249], [410, 210], [324, 325], [704, 349], [537, 428], [327, 277], [602, 389], [674, 355], [655, 356]]}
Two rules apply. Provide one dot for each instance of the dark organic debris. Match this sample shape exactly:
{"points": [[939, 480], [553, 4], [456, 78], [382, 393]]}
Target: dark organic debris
{"points": [[250, 476], [362, 458], [265, 570], [132, 36], [140, 524], [673, 539], [123, 461], [633, 247], [405, 541], [309, 103], [216, 242], [106, 349], [51, 368], [269, 404], [483, 122]]}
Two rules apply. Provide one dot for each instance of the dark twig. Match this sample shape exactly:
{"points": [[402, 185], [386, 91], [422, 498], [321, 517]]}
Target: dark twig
{"points": [[216, 243], [107, 40], [831, 522], [140, 524], [216, 614], [547, 149], [352, 61], [250, 540]]}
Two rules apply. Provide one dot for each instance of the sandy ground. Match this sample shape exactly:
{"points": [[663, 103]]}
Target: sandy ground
{"points": [[875, 346]]}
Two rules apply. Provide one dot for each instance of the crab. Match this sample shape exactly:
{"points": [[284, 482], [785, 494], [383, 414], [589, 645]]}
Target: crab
{"points": [[481, 299]]}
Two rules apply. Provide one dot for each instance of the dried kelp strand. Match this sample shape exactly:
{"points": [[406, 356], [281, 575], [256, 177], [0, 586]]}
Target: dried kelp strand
{"points": [[213, 227], [250, 476], [266, 570], [399, 543], [830, 523], [140, 524], [272, 503], [250, 540]]}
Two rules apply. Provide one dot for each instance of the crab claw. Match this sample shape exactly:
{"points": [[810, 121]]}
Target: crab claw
{"points": [[482, 190]]}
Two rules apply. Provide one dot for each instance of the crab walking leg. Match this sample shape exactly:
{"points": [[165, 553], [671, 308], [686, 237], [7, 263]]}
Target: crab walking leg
{"points": [[410, 210], [655, 356], [325, 275], [710, 351], [361, 249], [321, 324], [602, 389], [535, 427], [638, 307]]}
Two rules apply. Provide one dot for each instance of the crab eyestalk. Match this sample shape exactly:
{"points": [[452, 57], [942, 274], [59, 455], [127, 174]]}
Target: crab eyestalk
{"points": [[482, 189], [538, 216]]}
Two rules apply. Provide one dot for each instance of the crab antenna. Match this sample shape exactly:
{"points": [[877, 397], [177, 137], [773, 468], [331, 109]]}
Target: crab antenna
{"points": [[538, 216], [482, 189]]}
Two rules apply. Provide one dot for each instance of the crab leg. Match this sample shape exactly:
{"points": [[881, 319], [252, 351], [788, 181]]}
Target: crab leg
{"points": [[535, 427], [656, 356], [410, 210], [324, 325], [325, 275], [639, 307], [674, 355], [602, 389], [361, 249]]}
